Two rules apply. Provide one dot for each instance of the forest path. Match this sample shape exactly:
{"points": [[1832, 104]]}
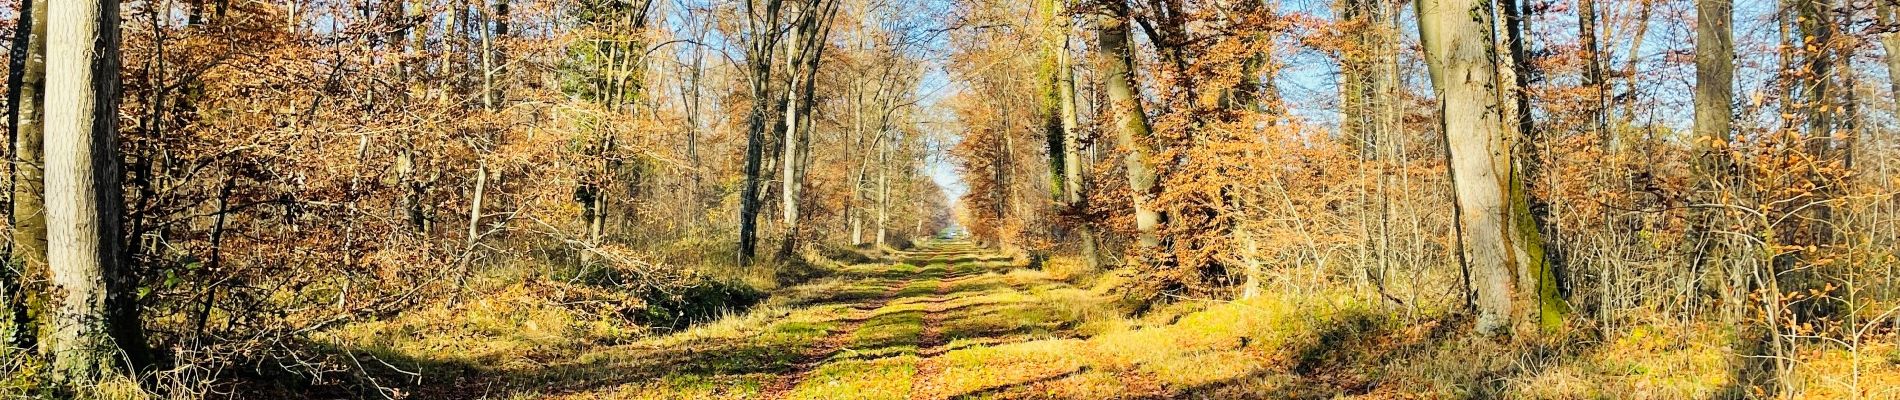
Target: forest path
{"points": [[949, 320]]}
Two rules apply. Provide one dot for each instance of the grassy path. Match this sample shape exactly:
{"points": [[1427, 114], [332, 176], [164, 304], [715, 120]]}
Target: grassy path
{"points": [[948, 321], [953, 321]]}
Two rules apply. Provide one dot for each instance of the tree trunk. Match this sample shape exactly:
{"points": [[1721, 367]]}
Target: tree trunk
{"points": [[492, 62], [475, 204], [28, 251], [1073, 169], [1355, 72], [95, 321], [1594, 117], [489, 97], [788, 179], [1247, 95], [1536, 263], [857, 212], [1890, 18], [1132, 131], [1065, 149], [1714, 95], [816, 28], [759, 60], [1054, 41], [411, 187], [1817, 33], [1456, 36], [883, 192]]}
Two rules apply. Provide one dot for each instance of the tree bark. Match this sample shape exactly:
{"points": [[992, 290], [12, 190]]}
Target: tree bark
{"points": [[1073, 169], [1890, 18], [1132, 132], [1714, 94], [1065, 149], [759, 59], [1054, 43], [1592, 72], [492, 59], [28, 252], [95, 321], [788, 179], [1456, 36], [1535, 258], [1355, 79], [883, 191]]}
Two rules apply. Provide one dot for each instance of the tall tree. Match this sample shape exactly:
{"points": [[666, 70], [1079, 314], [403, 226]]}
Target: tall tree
{"points": [[1594, 113], [762, 20], [1132, 130], [95, 322], [1714, 94], [1073, 169], [1456, 36], [1889, 15], [26, 103], [1535, 257], [788, 179], [1050, 16], [805, 53], [1249, 94], [1356, 72], [1059, 124]]}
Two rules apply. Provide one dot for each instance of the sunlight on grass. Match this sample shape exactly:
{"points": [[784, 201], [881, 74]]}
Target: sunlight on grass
{"points": [[994, 369], [879, 379], [975, 329], [892, 326]]}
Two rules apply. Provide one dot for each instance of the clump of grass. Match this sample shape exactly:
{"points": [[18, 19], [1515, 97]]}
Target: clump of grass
{"points": [[1069, 269], [115, 387], [500, 328], [1834, 372], [21, 376]]}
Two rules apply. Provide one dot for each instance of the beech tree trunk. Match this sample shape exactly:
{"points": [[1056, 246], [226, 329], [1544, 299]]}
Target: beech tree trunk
{"points": [[1535, 259], [788, 180], [1592, 71], [1714, 94], [28, 252], [1073, 168], [1065, 150], [95, 322], [1132, 131], [1890, 17], [1049, 109], [1456, 36], [883, 191]]}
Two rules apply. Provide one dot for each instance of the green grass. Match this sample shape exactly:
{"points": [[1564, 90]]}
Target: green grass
{"points": [[967, 326], [883, 378]]}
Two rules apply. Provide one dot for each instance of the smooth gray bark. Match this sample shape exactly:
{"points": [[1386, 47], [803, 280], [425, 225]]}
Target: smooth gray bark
{"points": [[28, 213], [1132, 130], [94, 325], [1456, 35]]}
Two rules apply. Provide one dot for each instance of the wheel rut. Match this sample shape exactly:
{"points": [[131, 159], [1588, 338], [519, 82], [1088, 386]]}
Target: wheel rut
{"points": [[782, 387], [929, 345]]}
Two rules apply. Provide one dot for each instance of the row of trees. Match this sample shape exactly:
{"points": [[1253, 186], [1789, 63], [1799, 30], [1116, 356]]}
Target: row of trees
{"points": [[1553, 174], [260, 172]]}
